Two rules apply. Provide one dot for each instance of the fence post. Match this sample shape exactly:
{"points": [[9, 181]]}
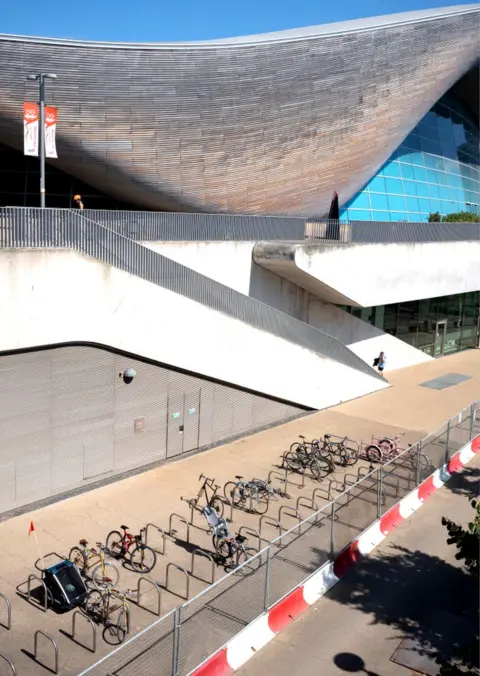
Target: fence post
{"points": [[418, 477], [472, 414], [332, 532], [176, 641], [266, 598], [447, 455], [379, 491]]}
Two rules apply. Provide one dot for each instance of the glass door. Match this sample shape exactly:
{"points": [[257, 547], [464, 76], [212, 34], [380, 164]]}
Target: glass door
{"points": [[440, 333]]}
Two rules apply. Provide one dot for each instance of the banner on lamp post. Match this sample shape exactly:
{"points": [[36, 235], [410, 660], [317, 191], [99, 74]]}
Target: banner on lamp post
{"points": [[50, 130], [30, 128]]}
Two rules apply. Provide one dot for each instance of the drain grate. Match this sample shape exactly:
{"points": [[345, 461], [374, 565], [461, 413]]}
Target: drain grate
{"points": [[445, 381]]}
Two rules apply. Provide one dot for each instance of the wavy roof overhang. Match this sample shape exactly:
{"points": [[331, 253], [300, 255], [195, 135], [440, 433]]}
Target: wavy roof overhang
{"points": [[264, 124]]}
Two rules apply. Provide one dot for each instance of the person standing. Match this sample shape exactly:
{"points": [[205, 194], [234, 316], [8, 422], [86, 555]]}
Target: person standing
{"points": [[77, 200], [379, 362]]}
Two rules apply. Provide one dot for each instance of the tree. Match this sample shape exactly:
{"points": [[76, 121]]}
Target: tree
{"points": [[465, 661], [459, 217], [434, 217]]}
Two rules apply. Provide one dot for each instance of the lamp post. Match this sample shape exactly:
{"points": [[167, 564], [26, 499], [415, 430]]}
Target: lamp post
{"points": [[41, 77]]}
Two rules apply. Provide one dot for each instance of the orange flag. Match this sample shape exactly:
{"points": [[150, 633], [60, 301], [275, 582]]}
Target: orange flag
{"points": [[31, 528]]}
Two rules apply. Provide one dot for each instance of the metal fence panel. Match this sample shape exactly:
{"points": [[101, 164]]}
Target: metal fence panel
{"points": [[355, 509]]}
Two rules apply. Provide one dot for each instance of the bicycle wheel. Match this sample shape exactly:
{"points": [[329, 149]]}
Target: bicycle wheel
{"points": [[247, 562], [105, 575], [232, 492], [293, 462], [143, 559], [93, 605], [373, 453], [321, 466], [386, 445], [123, 624], [113, 543], [298, 448], [221, 546], [217, 504], [259, 501], [348, 456], [77, 557]]}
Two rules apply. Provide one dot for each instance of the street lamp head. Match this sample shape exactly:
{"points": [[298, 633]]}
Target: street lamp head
{"points": [[50, 76], [32, 77]]}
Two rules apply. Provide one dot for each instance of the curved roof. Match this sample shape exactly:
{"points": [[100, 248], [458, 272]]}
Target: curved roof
{"points": [[261, 124]]}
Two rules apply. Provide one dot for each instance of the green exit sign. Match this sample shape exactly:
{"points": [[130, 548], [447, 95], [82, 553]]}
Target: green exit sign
{"points": [[175, 415]]}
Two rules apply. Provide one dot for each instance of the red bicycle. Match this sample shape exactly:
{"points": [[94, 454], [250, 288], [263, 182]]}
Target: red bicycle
{"points": [[142, 558]]}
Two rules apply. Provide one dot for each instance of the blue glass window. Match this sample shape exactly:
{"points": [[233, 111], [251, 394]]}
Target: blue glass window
{"points": [[381, 216], [396, 202], [434, 162], [451, 166], [359, 215], [413, 142], [424, 205], [422, 189], [419, 173], [360, 201], [394, 186], [398, 216], [409, 188], [436, 205], [412, 204], [407, 170], [392, 169], [378, 201], [377, 184], [444, 194], [434, 190]]}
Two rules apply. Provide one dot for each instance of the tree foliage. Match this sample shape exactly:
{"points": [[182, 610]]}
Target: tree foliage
{"points": [[459, 217]]}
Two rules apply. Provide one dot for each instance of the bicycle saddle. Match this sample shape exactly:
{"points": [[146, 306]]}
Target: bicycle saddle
{"points": [[301, 436], [237, 476], [124, 527], [327, 436], [240, 538], [99, 544], [84, 543]]}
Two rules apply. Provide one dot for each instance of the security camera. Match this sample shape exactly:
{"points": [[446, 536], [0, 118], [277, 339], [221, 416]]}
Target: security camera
{"points": [[128, 375]]}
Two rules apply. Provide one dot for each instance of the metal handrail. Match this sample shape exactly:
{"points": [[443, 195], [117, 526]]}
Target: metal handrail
{"points": [[31, 577], [77, 613], [10, 664], [147, 580], [206, 555], [173, 533], [167, 575], [9, 611], [164, 538], [38, 633]]}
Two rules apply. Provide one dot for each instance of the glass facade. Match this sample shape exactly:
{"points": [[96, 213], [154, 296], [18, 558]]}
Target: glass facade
{"points": [[436, 169], [436, 326]]}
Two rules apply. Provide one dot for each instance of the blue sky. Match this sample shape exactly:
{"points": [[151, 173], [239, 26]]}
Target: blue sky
{"points": [[165, 20]]}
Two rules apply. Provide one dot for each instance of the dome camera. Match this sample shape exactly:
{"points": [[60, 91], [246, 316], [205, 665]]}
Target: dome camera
{"points": [[128, 375]]}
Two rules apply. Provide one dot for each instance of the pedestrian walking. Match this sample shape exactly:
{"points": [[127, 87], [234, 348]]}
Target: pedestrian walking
{"points": [[77, 200], [379, 362]]}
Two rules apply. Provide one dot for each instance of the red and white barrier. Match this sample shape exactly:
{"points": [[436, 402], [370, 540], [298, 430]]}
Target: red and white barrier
{"points": [[261, 631]]}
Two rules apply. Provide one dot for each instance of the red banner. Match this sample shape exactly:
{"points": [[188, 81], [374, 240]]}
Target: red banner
{"points": [[50, 130], [30, 129]]}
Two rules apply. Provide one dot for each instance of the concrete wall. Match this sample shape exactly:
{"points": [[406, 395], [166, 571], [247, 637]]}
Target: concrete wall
{"points": [[231, 263], [54, 296], [375, 274]]}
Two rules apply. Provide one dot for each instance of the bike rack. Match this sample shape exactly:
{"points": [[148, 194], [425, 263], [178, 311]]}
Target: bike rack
{"points": [[77, 613], [318, 490], [10, 664], [251, 531], [9, 611], [183, 520], [335, 485], [283, 478], [164, 537], [205, 555], [42, 559], [29, 589], [38, 633], [291, 511], [141, 579], [272, 522], [252, 510], [174, 565], [310, 504], [350, 479], [225, 501]]}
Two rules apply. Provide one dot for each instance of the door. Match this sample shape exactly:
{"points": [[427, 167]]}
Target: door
{"points": [[175, 426], [191, 421], [440, 333]]}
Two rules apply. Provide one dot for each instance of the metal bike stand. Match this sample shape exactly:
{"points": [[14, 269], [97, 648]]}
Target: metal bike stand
{"points": [[299, 473], [307, 502], [173, 533], [29, 589], [164, 537], [77, 613], [38, 633], [225, 501], [205, 555], [187, 576], [283, 478], [291, 511], [10, 664], [42, 559], [272, 522], [338, 486], [147, 580], [9, 611], [251, 531]]}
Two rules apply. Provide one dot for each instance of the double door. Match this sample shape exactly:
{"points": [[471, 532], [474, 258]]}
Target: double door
{"points": [[183, 425]]}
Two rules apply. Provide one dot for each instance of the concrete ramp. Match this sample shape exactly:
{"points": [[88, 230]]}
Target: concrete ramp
{"points": [[366, 275]]}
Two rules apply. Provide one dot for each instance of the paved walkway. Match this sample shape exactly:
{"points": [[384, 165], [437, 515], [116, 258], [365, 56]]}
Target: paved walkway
{"points": [[154, 495], [411, 580]]}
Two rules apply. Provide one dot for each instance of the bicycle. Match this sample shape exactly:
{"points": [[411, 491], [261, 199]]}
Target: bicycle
{"points": [[226, 546], [214, 501], [257, 491], [142, 558], [348, 456], [299, 458], [103, 574], [98, 606], [383, 449]]}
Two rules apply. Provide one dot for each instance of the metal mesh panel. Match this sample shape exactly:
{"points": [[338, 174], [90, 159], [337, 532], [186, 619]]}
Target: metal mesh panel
{"points": [[435, 446], [61, 228], [355, 509]]}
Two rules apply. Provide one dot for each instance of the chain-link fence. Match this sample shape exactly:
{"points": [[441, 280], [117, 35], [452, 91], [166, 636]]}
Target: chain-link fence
{"points": [[179, 642]]}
